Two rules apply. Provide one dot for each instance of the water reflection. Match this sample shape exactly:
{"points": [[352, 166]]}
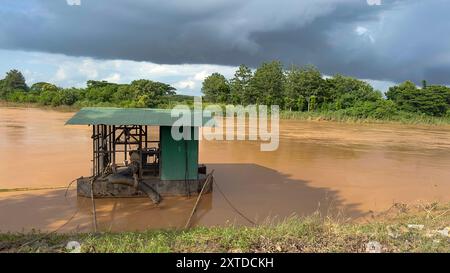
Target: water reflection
{"points": [[260, 193]]}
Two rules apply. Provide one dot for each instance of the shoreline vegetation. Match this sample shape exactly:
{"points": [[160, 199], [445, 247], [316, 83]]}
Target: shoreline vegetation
{"points": [[302, 93], [402, 228], [316, 116], [342, 117]]}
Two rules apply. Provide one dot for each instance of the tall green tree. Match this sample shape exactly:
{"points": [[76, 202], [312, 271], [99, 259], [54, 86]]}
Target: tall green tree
{"points": [[267, 84], [434, 100], [294, 100], [240, 85], [43, 86], [216, 88], [424, 84], [304, 83], [14, 80], [431, 100], [347, 91], [100, 91], [401, 92], [123, 95], [149, 93], [311, 82]]}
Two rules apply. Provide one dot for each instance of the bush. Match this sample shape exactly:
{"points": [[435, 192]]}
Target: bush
{"points": [[385, 109], [312, 103], [430, 100], [46, 97], [16, 96]]}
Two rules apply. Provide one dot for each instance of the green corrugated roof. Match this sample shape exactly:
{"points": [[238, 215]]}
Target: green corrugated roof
{"points": [[125, 116]]}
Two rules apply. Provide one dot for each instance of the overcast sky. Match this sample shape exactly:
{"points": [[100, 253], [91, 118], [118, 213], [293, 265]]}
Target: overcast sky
{"points": [[181, 42]]}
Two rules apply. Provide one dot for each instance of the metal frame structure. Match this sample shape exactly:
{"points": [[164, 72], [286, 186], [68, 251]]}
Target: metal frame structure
{"points": [[152, 166], [108, 140]]}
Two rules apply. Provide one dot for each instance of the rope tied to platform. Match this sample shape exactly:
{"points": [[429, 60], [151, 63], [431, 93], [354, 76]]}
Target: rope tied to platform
{"points": [[58, 228], [208, 180], [94, 212], [232, 206]]}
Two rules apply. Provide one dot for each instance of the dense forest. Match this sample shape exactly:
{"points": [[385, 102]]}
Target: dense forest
{"points": [[139, 93], [306, 89], [295, 90]]}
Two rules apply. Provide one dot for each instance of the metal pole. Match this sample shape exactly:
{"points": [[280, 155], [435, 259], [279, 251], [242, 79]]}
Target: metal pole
{"points": [[93, 151], [108, 142], [97, 145], [125, 142], [146, 137], [114, 144]]}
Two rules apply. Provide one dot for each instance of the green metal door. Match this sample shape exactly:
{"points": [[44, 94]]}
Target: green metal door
{"points": [[179, 159]]}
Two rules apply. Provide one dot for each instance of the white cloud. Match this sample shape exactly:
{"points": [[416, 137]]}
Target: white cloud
{"points": [[364, 32], [60, 75], [73, 2], [115, 78], [187, 84], [200, 76], [88, 68], [361, 30], [374, 2], [381, 85], [66, 71]]}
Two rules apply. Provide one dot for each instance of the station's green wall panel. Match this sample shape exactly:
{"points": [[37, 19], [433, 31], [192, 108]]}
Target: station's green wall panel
{"points": [[173, 156]]}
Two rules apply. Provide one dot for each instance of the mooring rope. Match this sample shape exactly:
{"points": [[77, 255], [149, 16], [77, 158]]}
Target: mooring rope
{"points": [[58, 228], [94, 212], [232, 206], [208, 179], [68, 186], [32, 189]]}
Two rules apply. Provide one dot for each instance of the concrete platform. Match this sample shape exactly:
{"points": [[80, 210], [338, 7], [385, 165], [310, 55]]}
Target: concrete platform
{"points": [[103, 188]]}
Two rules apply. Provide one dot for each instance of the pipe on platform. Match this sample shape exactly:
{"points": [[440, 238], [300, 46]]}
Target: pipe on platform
{"points": [[151, 193]]}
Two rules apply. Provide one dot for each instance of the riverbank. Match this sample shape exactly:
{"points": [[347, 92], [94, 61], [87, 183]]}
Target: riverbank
{"points": [[402, 228], [332, 116], [336, 116], [61, 108]]}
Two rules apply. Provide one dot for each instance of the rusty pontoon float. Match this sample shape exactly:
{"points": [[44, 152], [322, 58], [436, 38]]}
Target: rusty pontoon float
{"points": [[134, 154]]}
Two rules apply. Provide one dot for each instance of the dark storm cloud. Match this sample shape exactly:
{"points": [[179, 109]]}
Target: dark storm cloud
{"points": [[395, 41]]}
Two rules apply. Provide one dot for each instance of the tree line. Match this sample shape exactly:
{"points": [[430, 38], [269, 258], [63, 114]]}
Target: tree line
{"points": [[300, 89], [139, 93], [306, 89]]}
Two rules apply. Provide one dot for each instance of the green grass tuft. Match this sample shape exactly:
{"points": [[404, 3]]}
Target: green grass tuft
{"points": [[295, 234]]}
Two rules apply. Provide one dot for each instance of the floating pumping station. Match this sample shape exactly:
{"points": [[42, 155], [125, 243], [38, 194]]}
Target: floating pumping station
{"points": [[128, 162]]}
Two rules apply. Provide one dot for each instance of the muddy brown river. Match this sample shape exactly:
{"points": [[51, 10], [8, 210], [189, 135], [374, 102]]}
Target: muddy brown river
{"points": [[350, 169]]}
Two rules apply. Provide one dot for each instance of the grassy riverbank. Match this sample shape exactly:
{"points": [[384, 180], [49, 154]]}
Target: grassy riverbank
{"points": [[397, 230], [341, 116], [335, 116], [61, 108]]}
